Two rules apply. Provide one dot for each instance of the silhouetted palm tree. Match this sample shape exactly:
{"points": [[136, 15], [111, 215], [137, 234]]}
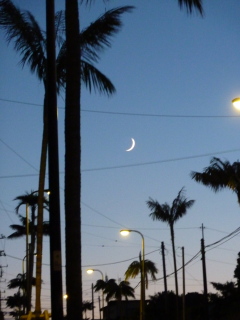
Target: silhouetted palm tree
{"points": [[31, 201], [170, 215], [20, 229], [135, 268], [17, 303], [114, 290], [220, 175], [87, 305], [73, 147]]}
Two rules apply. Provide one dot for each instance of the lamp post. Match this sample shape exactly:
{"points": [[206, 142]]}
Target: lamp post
{"points": [[27, 292], [90, 271], [25, 279], [125, 232]]}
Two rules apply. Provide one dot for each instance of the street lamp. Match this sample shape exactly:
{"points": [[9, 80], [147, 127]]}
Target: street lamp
{"points": [[90, 271], [236, 103], [125, 232]]}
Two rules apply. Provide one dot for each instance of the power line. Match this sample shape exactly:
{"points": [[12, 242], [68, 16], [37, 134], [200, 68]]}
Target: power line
{"points": [[121, 166], [18, 155], [129, 113]]}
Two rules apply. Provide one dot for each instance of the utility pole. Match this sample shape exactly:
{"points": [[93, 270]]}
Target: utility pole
{"points": [[165, 280], [2, 253], [183, 275], [1, 313], [205, 291], [92, 303], [164, 267], [99, 303]]}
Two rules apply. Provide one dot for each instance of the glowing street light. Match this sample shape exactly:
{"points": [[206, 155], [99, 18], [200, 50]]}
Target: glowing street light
{"points": [[90, 271], [125, 232], [236, 103]]}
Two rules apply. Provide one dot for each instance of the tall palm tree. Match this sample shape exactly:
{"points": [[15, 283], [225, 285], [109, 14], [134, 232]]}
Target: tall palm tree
{"points": [[28, 200], [171, 214], [220, 175], [74, 72], [134, 269]]}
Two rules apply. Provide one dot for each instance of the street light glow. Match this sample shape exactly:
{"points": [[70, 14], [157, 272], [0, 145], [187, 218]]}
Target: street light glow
{"points": [[124, 232], [236, 103], [90, 271]]}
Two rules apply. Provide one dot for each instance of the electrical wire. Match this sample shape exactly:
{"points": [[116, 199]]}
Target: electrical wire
{"points": [[128, 113]]}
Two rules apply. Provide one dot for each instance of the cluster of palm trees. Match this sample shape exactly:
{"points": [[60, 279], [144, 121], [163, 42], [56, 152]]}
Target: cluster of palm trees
{"points": [[29, 40], [77, 52]]}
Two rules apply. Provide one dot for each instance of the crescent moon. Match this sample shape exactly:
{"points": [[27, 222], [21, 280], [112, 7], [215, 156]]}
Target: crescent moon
{"points": [[132, 146]]}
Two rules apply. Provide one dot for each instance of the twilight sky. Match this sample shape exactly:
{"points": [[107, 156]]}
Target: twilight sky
{"points": [[175, 76]]}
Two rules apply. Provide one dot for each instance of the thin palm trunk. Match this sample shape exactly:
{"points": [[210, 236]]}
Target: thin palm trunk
{"points": [[31, 260], [175, 268], [41, 184], [120, 311], [72, 164]]}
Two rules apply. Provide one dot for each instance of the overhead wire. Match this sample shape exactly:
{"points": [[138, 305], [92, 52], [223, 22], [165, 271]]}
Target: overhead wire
{"points": [[121, 166], [129, 113]]}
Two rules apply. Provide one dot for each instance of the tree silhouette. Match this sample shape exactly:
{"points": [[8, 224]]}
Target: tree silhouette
{"points": [[170, 215], [134, 269], [220, 175]]}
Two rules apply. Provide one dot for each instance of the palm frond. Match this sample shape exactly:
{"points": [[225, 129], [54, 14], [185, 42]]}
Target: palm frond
{"points": [[126, 290], [133, 270], [98, 34], [100, 285], [20, 231], [93, 78], [220, 175], [22, 27], [60, 27], [150, 267], [180, 206], [159, 212], [190, 4]]}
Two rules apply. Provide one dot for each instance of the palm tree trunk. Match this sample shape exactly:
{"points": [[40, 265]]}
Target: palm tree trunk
{"points": [[175, 268], [41, 184], [72, 164], [120, 311], [31, 258]]}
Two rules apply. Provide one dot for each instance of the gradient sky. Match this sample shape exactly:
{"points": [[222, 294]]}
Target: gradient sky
{"points": [[175, 76]]}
